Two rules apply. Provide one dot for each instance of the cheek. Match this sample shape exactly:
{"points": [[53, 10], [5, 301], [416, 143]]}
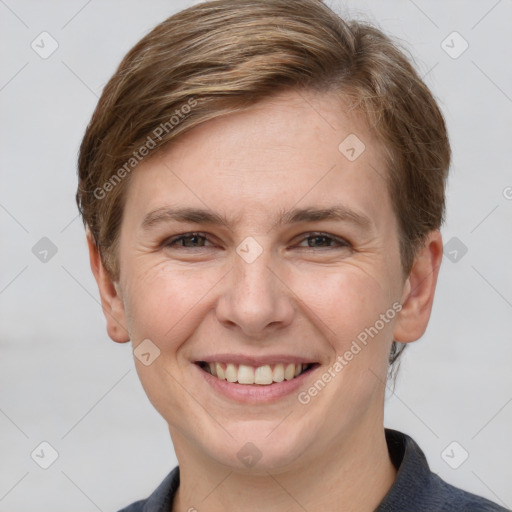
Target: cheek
{"points": [[162, 303], [346, 301]]}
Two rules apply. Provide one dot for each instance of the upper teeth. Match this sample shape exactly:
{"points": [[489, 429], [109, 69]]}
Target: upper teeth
{"points": [[256, 375]]}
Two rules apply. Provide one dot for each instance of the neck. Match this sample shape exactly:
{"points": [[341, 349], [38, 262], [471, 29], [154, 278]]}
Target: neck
{"points": [[350, 475]]}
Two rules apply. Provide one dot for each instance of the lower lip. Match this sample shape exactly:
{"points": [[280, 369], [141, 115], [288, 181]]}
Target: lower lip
{"points": [[255, 393]]}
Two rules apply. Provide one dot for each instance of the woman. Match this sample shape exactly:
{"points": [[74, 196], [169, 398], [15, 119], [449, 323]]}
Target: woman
{"points": [[263, 186]]}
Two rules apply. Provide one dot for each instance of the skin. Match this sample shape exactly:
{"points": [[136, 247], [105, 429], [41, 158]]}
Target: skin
{"points": [[301, 298]]}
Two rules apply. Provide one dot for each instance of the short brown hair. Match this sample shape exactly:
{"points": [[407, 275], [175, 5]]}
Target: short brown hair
{"points": [[222, 56]]}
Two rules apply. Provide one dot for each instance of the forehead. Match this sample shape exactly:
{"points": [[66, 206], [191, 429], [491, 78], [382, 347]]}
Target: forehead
{"points": [[292, 150]]}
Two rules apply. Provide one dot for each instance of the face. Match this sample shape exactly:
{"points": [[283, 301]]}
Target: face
{"points": [[293, 260]]}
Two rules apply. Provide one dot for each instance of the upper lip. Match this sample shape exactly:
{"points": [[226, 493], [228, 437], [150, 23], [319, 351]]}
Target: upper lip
{"points": [[255, 360]]}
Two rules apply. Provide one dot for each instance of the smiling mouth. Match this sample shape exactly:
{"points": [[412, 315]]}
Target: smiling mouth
{"points": [[263, 375]]}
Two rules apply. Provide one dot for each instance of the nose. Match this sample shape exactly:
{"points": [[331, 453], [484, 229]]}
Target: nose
{"points": [[255, 298]]}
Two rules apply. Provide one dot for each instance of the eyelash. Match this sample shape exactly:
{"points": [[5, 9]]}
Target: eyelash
{"points": [[316, 234]]}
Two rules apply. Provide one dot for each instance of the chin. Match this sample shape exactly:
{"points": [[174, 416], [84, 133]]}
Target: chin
{"points": [[259, 448]]}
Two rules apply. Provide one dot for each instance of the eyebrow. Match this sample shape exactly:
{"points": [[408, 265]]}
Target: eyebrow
{"points": [[294, 216]]}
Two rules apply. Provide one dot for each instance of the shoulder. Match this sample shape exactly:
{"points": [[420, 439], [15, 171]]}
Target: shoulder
{"points": [[417, 488], [454, 499], [161, 499], [138, 506]]}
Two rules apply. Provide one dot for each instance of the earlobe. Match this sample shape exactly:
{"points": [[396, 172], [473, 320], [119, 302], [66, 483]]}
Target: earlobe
{"points": [[419, 290], [111, 299]]}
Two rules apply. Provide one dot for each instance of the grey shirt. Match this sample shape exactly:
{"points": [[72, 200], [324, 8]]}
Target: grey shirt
{"points": [[415, 489]]}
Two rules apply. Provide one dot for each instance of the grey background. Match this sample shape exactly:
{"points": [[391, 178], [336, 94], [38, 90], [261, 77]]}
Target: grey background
{"points": [[63, 381]]}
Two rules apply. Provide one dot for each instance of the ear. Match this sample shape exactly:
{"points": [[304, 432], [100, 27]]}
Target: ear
{"points": [[111, 300], [419, 289]]}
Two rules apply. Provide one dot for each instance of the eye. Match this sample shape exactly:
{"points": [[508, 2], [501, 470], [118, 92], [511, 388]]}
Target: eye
{"points": [[186, 241], [315, 240], [324, 238]]}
